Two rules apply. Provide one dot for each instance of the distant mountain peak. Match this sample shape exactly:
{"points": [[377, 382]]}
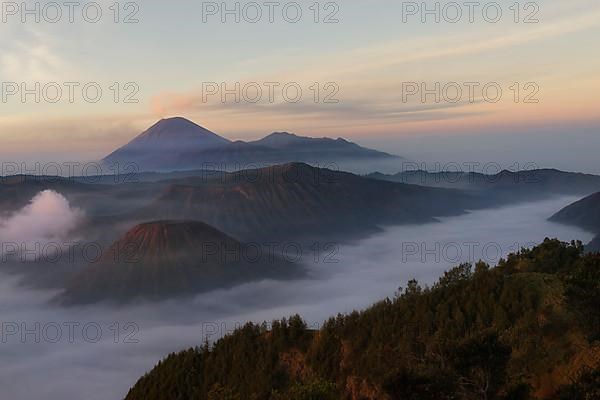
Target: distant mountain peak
{"points": [[280, 139], [178, 143], [175, 120], [175, 123], [165, 137], [288, 134], [179, 128], [285, 139]]}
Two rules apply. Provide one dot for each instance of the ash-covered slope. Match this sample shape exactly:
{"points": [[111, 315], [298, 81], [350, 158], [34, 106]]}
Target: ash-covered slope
{"points": [[168, 259], [296, 200]]}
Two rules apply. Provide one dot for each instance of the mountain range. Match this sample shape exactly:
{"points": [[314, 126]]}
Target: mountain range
{"points": [[504, 187], [179, 144], [299, 201], [290, 202]]}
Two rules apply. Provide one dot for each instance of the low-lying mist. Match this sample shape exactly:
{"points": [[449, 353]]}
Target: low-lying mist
{"points": [[97, 353]]}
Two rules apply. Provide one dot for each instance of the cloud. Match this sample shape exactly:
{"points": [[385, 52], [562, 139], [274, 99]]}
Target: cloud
{"points": [[395, 109], [366, 272], [47, 220], [31, 56]]}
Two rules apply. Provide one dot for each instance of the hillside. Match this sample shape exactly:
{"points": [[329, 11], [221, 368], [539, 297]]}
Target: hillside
{"points": [[302, 200], [527, 329], [282, 202], [167, 259], [594, 245], [585, 214]]}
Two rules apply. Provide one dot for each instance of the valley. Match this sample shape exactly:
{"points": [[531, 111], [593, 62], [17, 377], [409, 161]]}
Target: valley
{"points": [[225, 201], [357, 275]]}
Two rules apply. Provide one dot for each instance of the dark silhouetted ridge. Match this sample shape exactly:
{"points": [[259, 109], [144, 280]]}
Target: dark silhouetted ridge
{"points": [[585, 214]]}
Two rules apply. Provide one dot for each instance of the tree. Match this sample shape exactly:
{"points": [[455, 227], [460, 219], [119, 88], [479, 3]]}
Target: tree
{"points": [[481, 364], [586, 386], [219, 392]]}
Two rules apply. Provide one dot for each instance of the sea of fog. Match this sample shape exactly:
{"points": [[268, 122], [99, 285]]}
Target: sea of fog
{"points": [[97, 353]]}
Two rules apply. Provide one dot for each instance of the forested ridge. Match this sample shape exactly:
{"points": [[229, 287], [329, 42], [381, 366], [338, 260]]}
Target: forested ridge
{"points": [[528, 328]]}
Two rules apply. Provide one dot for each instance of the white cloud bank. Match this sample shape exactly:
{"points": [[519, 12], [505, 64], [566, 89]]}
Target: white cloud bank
{"points": [[366, 272], [47, 220]]}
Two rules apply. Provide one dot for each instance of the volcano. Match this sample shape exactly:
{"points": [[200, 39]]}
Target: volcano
{"points": [[160, 145], [167, 259], [179, 144], [300, 202]]}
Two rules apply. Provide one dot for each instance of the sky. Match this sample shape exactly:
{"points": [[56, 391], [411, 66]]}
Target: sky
{"points": [[384, 74]]}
